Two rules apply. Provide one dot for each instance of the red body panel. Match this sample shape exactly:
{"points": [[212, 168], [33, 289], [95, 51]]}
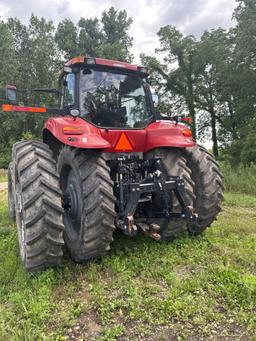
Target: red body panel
{"points": [[90, 137], [167, 134], [115, 63], [157, 134]]}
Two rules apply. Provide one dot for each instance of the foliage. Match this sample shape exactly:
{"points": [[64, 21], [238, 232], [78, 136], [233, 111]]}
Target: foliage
{"points": [[213, 78], [5, 155], [106, 38], [191, 287], [239, 179], [178, 80]]}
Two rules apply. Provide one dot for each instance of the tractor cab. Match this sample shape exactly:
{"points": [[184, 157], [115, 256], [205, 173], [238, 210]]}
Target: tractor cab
{"points": [[107, 94]]}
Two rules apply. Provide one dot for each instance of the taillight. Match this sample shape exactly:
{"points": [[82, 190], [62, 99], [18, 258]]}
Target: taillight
{"points": [[187, 132]]}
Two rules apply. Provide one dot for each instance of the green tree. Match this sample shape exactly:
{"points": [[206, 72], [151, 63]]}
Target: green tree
{"points": [[107, 38], [66, 37], [116, 40], [211, 77], [90, 37], [180, 68], [213, 56], [31, 60], [243, 80], [35, 54], [8, 70]]}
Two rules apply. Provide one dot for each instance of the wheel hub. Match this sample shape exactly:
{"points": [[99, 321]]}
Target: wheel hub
{"points": [[72, 203]]}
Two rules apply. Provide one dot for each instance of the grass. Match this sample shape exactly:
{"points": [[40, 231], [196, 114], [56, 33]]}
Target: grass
{"points": [[196, 288], [241, 179], [3, 175]]}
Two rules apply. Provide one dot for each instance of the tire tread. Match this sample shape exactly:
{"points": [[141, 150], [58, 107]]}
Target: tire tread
{"points": [[37, 174]]}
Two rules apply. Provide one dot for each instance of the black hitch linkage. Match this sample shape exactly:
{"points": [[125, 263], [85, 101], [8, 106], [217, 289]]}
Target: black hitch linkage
{"points": [[137, 180]]}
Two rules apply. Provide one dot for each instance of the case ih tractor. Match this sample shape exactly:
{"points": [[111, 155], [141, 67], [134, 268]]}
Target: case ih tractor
{"points": [[107, 161]]}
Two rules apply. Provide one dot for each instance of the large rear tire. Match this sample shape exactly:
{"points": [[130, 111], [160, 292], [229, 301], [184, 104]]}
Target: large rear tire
{"points": [[175, 165], [88, 201], [39, 214], [208, 187]]}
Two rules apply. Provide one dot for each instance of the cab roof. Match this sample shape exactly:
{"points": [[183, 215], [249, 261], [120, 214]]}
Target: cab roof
{"points": [[83, 60]]}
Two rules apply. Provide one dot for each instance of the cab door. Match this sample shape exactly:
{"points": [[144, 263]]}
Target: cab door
{"points": [[68, 91]]}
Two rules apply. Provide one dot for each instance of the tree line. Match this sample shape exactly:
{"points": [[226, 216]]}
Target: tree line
{"points": [[212, 78]]}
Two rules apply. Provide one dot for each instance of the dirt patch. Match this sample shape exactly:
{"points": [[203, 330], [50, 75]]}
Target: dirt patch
{"points": [[187, 331], [219, 331], [86, 328]]}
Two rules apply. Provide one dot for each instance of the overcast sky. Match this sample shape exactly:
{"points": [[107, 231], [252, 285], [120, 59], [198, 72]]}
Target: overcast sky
{"points": [[190, 16]]}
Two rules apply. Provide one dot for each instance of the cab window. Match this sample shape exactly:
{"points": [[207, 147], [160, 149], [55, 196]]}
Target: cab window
{"points": [[69, 90]]}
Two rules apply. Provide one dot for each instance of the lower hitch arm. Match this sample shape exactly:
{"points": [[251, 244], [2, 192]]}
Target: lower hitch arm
{"points": [[188, 212]]}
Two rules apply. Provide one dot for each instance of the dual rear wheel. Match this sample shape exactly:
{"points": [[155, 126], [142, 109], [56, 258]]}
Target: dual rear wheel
{"points": [[76, 191], [45, 195], [203, 184]]}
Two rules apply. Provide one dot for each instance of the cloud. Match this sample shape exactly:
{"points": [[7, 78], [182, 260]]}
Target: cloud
{"points": [[190, 16], [212, 14], [4, 10]]}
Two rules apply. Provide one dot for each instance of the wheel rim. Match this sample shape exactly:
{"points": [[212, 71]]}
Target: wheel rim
{"points": [[72, 204]]}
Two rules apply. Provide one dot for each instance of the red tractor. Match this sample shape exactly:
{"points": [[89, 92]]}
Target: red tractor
{"points": [[107, 160]]}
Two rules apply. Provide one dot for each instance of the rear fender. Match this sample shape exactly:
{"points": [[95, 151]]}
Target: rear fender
{"points": [[75, 133], [168, 134]]}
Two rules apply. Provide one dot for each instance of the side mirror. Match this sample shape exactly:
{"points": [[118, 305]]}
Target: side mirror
{"points": [[11, 93]]}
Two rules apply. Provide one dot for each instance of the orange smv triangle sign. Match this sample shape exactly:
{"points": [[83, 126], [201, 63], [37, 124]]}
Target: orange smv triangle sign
{"points": [[123, 144]]}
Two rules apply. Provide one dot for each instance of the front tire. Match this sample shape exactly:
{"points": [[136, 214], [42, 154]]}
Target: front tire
{"points": [[39, 214], [88, 202]]}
